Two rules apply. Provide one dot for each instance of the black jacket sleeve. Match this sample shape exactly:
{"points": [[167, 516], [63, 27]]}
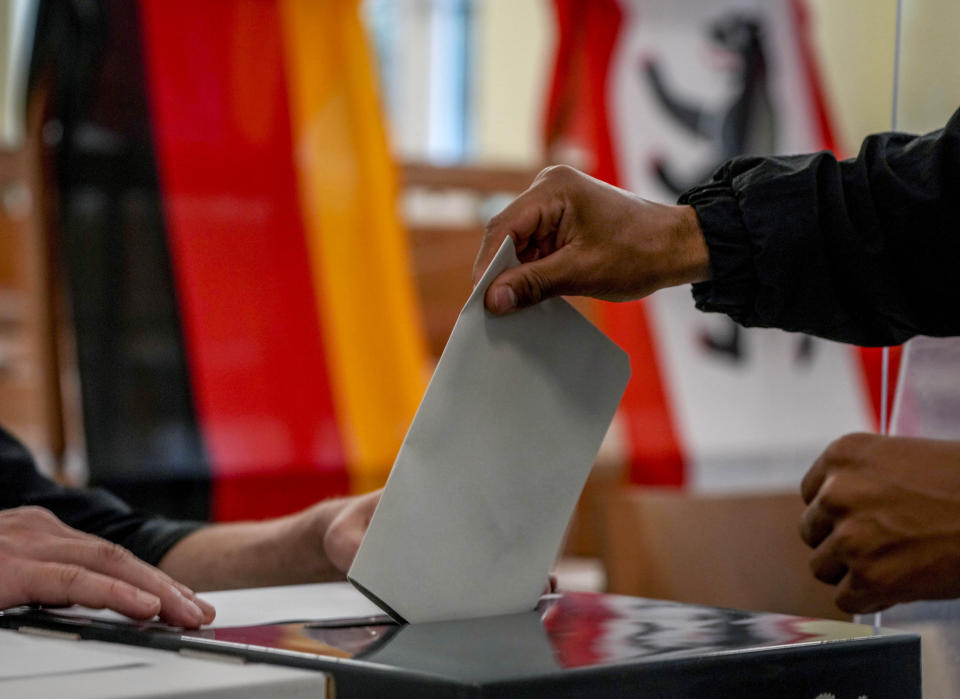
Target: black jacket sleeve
{"points": [[864, 250], [90, 510]]}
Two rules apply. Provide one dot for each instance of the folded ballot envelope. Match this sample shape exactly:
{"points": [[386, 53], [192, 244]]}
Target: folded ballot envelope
{"points": [[486, 480]]}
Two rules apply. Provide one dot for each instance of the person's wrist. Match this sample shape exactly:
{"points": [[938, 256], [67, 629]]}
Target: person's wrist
{"points": [[691, 257]]}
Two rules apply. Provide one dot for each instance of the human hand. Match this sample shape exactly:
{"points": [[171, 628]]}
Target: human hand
{"points": [[883, 518], [577, 235], [42, 560], [345, 532], [314, 545]]}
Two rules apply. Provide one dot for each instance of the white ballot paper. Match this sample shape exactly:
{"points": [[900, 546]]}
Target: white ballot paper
{"points": [[487, 478]]}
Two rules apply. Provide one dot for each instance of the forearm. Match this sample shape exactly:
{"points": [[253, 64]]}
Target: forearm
{"points": [[280, 551], [855, 250]]}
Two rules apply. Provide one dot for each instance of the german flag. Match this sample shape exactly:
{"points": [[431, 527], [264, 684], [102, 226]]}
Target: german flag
{"points": [[254, 336]]}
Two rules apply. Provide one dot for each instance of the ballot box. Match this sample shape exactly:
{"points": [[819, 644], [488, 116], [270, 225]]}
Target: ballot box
{"points": [[572, 645]]}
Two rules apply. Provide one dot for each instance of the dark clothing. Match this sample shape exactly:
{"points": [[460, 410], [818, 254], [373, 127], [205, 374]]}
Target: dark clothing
{"points": [[864, 250], [91, 510]]}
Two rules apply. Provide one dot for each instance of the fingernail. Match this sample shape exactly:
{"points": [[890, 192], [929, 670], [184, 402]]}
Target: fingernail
{"points": [[209, 612], [146, 599], [504, 299], [205, 606], [186, 591], [193, 611]]}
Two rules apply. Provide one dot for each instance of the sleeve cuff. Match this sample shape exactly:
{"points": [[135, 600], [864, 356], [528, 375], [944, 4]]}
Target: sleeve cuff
{"points": [[157, 536], [732, 287]]}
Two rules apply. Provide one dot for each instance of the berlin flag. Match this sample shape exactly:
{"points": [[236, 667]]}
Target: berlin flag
{"points": [[652, 95]]}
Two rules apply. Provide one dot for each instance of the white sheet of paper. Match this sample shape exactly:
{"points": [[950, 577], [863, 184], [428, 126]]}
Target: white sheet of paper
{"points": [[489, 473], [23, 655], [269, 605]]}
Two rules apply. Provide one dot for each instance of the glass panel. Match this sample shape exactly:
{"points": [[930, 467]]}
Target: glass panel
{"points": [[928, 395]]}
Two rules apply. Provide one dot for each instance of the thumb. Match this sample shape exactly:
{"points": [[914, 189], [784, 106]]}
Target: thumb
{"points": [[530, 283]]}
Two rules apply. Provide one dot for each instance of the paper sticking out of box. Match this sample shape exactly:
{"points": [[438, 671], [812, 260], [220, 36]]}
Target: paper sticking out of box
{"points": [[487, 478]]}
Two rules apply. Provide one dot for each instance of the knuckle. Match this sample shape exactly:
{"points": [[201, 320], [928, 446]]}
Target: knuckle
{"points": [[808, 525], [35, 514], [109, 552], [535, 287], [830, 498], [18, 580], [116, 588], [847, 448], [850, 545], [864, 577], [68, 576], [845, 535], [557, 174], [837, 494]]}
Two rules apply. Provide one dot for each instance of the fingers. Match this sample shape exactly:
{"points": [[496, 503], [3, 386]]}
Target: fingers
{"points": [[179, 602], [518, 221], [855, 596], [810, 485], [341, 541], [843, 452], [66, 584], [816, 524], [180, 605], [817, 527], [36, 537], [828, 563], [844, 547], [342, 547], [208, 610], [531, 283], [882, 520], [842, 560], [532, 220]]}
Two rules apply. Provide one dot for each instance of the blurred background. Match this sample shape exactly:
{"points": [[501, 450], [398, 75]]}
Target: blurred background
{"points": [[235, 235]]}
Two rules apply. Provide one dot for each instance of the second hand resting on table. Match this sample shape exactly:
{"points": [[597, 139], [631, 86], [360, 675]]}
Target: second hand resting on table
{"points": [[42, 560]]}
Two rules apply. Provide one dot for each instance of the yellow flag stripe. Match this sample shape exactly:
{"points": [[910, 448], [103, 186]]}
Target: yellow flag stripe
{"points": [[359, 255]]}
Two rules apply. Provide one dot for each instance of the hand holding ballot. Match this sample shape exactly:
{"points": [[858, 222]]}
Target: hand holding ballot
{"points": [[490, 470], [43, 560], [855, 251], [576, 235]]}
